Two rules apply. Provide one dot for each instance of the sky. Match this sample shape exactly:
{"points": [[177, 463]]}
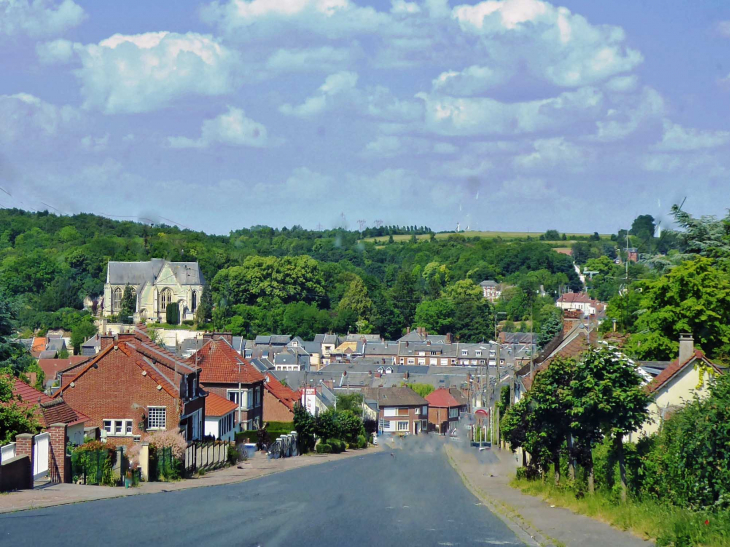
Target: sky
{"points": [[514, 115]]}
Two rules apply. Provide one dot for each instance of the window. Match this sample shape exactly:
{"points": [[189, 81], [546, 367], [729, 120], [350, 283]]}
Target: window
{"points": [[244, 398], [464, 353], [165, 298], [118, 428], [257, 393], [156, 417], [479, 353], [411, 361], [402, 412], [386, 425], [117, 299], [425, 410], [194, 302], [390, 411], [402, 426]]}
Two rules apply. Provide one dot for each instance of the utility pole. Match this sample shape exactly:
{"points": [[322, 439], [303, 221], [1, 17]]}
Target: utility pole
{"points": [[495, 427]]}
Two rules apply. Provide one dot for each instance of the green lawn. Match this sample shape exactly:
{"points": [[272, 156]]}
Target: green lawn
{"points": [[486, 235]]}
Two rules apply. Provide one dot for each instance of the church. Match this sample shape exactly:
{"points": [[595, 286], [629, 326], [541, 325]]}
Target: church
{"points": [[155, 284]]}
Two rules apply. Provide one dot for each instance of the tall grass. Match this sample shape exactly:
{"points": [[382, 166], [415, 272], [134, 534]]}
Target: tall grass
{"points": [[649, 519]]}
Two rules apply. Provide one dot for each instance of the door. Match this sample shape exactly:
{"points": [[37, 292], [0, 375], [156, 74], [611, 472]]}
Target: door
{"points": [[40, 455]]}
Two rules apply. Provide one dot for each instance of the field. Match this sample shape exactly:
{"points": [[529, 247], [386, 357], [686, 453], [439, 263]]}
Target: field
{"points": [[486, 235]]}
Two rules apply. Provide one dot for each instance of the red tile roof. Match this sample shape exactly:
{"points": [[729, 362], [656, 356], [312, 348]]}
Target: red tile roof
{"points": [[675, 367], [53, 366], [221, 364], [287, 396], [442, 398], [215, 405], [48, 411], [39, 345]]}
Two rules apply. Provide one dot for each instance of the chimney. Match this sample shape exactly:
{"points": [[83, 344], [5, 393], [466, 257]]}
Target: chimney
{"points": [[686, 347], [408, 330], [106, 340], [449, 338]]}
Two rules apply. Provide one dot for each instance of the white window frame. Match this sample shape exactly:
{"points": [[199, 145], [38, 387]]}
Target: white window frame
{"points": [[126, 426], [247, 398], [390, 411], [156, 420], [411, 361], [400, 427]]}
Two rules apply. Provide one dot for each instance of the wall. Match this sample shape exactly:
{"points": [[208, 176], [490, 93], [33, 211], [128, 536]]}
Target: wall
{"points": [[246, 415], [118, 390], [415, 415], [76, 434], [275, 410], [15, 474], [676, 392]]}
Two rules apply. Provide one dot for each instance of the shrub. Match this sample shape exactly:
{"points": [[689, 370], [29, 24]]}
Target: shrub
{"points": [[95, 461], [234, 456], [323, 448], [337, 445], [362, 441], [172, 314], [169, 439]]}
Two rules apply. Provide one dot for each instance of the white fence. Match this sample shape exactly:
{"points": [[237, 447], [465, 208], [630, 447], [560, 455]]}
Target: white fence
{"points": [[7, 452], [201, 455], [40, 455]]}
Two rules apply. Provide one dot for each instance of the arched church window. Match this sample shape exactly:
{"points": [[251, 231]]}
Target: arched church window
{"points": [[116, 299], [195, 301], [165, 298]]}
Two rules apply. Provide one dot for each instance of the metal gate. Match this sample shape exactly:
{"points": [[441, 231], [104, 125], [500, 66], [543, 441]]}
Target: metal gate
{"points": [[40, 455]]}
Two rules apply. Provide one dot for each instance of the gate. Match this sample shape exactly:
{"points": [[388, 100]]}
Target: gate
{"points": [[40, 455]]}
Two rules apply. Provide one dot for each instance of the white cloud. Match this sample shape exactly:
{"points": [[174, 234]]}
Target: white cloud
{"points": [[723, 28], [622, 84], [700, 164], [552, 153], [305, 183], [325, 58], [95, 144], [484, 116], [390, 146], [232, 128], [629, 113], [57, 51], [401, 6], [144, 72], [676, 137], [38, 18], [27, 119], [473, 80], [340, 92], [554, 44]]}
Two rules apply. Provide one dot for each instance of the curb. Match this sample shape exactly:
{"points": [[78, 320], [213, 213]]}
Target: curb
{"points": [[514, 521]]}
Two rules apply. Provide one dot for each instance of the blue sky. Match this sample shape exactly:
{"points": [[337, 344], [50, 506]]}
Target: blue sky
{"points": [[501, 114]]}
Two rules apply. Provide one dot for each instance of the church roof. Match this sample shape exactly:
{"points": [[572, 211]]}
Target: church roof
{"points": [[139, 273]]}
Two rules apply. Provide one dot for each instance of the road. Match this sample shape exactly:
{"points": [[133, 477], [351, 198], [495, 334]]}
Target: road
{"points": [[407, 496]]}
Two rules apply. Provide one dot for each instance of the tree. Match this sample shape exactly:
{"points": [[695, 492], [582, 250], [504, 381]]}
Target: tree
{"points": [[405, 296], [421, 389], [350, 401], [327, 425], [551, 235], [129, 305], [694, 297], [172, 314], [204, 312], [15, 418], [435, 316], [304, 425], [549, 329], [643, 227], [80, 334], [706, 236], [356, 299], [606, 399], [513, 425]]}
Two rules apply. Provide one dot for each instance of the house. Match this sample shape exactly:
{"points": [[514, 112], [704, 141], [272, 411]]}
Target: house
{"points": [[154, 284], [92, 346], [292, 358], [678, 383], [444, 409], [491, 290], [632, 254], [400, 410], [53, 368], [49, 411], [582, 302], [279, 400], [133, 386], [226, 373], [38, 345], [220, 418], [420, 334]]}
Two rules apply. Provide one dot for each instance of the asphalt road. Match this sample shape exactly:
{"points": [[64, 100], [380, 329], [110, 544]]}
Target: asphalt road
{"points": [[410, 496]]}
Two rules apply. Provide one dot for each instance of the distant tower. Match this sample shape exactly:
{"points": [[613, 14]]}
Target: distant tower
{"points": [[361, 223], [378, 223], [458, 226]]}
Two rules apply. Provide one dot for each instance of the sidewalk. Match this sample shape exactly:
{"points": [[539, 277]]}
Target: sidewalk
{"points": [[256, 467], [488, 473]]}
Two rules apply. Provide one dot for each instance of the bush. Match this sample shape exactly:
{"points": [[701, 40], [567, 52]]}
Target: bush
{"points": [[362, 441], [169, 439], [94, 461], [323, 448], [337, 445], [234, 456], [172, 314]]}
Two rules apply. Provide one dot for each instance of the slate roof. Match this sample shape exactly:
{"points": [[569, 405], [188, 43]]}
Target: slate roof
{"points": [[395, 396], [220, 363], [217, 406], [262, 364], [48, 354], [272, 340], [139, 273], [93, 342], [488, 283], [56, 344]]}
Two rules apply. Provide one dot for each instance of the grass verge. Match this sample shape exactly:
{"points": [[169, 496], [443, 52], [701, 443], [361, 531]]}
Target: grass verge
{"points": [[666, 524]]}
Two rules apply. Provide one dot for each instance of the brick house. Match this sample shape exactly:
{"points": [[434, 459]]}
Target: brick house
{"points": [[279, 400], [226, 373], [133, 386], [400, 410], [444, 409]]}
